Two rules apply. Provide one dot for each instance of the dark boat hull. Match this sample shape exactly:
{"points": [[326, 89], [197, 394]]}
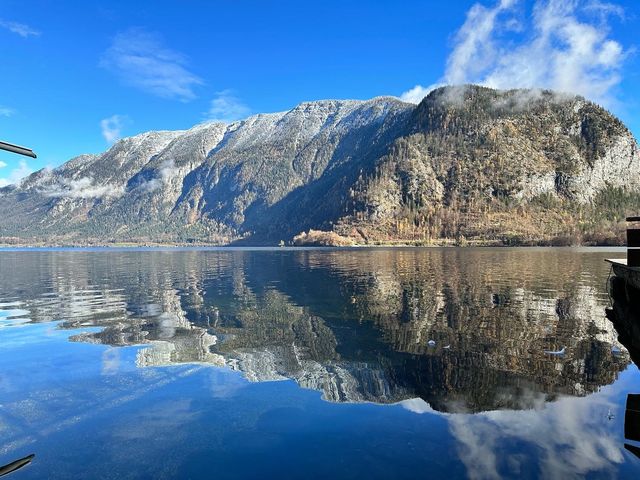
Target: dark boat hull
{"points": [[624, 313], [631, 275]]}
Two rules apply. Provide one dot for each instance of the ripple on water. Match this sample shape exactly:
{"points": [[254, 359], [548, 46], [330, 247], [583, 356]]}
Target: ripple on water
{"points": [[14, 318]]}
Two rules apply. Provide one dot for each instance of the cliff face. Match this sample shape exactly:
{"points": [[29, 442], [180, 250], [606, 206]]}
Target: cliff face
{"points": [[516, 166], [457, 166]]}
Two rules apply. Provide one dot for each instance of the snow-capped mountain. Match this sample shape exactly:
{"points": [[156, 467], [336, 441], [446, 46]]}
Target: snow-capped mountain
{"points": [[363, 169]]}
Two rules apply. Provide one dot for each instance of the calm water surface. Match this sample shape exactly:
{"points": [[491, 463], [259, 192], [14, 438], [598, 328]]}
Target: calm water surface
{"points": [[312, 364]]}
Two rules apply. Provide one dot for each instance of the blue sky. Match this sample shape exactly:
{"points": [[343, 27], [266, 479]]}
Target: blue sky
{"points": [[77, 75]]}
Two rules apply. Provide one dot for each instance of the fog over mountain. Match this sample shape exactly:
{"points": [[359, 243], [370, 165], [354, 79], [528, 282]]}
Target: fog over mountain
{"points": [[453, 168]]}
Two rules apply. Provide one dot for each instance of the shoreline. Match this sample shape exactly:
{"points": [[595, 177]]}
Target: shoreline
{"points": [[180, 247], [445, 243]]}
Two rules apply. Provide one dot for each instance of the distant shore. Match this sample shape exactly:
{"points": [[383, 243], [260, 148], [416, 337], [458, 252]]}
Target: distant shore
{"points": [[197, 246]]}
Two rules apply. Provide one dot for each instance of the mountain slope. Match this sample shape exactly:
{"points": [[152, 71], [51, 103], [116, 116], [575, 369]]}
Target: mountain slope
{"points": [[457, 166], [518, 166]]}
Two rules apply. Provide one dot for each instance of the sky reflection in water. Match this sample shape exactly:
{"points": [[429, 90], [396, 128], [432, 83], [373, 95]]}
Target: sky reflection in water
{"points": [[189, 364]]}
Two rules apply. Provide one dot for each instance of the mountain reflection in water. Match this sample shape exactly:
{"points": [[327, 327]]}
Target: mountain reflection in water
{"points": [[355, 325]]}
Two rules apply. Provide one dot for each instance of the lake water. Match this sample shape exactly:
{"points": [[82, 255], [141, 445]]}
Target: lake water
{"points": [[381, 363]]}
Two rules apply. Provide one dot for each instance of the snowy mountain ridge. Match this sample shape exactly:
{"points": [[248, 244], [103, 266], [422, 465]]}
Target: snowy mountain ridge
{"points": [[359, 168]]}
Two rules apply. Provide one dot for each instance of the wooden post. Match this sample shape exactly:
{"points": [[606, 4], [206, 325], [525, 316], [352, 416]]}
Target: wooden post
{"points": [[633, 242]]}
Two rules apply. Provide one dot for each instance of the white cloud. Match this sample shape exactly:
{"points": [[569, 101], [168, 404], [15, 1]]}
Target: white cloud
{"points": [[565, 54], [605, 9], [17, 174], [19, 28], [82, 188], [6, 111], [226, 107], [564, 45], [474, 51], [139, 59], [166, 172], [2, 164], [417, 93], [112, 127]]}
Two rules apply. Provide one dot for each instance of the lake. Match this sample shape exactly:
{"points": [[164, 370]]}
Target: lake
{"points": [[318, 363]]}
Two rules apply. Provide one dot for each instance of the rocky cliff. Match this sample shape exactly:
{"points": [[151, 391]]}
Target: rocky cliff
{"points": [[467, 164]]}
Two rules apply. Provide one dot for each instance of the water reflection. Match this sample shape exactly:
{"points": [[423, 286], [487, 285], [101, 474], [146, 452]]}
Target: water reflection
{"points": [[450, 330], [624, 314]]}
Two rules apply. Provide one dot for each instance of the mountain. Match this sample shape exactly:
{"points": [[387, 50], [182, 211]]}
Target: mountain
{"points": [[466, 164]]}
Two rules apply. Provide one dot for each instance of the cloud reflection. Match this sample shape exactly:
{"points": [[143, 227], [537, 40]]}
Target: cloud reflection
{"points": [[569, 438]]}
